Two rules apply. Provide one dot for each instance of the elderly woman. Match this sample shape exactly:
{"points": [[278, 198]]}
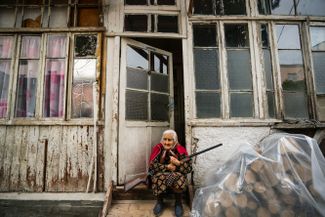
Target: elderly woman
{"points": [[168, 171]]}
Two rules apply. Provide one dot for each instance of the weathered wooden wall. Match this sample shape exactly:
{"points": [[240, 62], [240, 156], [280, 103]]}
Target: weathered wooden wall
{"points": [[48, 158]]}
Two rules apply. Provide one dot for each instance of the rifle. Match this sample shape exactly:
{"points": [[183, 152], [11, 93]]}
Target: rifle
{"points": [[144, 178]]}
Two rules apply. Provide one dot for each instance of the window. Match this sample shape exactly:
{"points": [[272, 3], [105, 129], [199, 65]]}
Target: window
{"points": [[147, 92], [50, 13], [150, 2], [317, 35], [159, 23], [294, 92], [207, 76], [292, 7], [44, 86], [239, 70], [220, 7]]}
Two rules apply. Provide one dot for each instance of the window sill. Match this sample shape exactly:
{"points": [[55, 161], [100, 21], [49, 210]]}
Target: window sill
{"points": [[26, 122]]}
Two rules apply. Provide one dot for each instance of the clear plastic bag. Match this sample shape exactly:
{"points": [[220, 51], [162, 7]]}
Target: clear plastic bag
{"points": [[283, 176]]}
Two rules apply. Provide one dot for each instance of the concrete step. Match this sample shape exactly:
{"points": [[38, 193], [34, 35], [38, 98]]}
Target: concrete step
{"points": [[142, 208]]}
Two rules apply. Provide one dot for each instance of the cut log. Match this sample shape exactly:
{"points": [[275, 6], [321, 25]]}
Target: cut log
{"points": [[257, 165], [250, 177], [231, 182], [274, 206], [262, 212], [225, 199], [232, 212], [259, 187], [287, 213], [212, 206], [240, 200]]}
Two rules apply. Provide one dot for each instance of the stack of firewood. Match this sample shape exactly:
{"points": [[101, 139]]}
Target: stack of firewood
{"points": [[279, 185]]}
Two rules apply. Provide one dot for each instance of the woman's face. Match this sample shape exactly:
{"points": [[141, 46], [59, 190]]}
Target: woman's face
{"points": [[168, 141]]}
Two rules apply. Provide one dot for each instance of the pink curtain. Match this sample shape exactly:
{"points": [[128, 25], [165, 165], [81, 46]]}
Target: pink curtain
{"points": [[55, 77], [5, 52]]}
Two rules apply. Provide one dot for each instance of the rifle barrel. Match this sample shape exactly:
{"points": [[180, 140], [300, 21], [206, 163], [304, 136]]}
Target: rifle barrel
{"points": [[205, 150]]}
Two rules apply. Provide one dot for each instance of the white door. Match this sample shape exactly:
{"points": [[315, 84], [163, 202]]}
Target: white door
{"points": [[145, 107]]}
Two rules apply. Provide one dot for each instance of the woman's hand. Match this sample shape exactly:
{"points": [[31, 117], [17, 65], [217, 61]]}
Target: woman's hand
{"points": [[173, 160], [171, 167]]}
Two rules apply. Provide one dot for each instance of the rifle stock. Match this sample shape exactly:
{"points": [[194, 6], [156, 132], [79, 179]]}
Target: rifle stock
{"points": [[143, 179]]}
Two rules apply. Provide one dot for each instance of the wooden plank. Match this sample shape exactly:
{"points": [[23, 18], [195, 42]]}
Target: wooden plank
{"points": [[3, 131], [63, 158], [23, 158], [53, 158], [41, 159], [72, 159], [15, 163], [31, 161], [100, 159]]}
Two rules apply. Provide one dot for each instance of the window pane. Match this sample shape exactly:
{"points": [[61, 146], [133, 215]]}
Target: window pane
{"points": [[292, 70], [288, 37], [135, 2], [265, 36], [136, 105], [203, 7], [4, 86], [282, 7], [206, 69], [319, 71], [239, 70], [58, 17], [85, 45], [268, 69], [166, 2], [207, 105], [30, 47], [167, 24], [137, 79], [84, 73], [271, 103], [56, 46], [136, 23], [159, 107], [32, 17], [160, 63], [137, 58], [311, 7], [264, 6], [236, 35], [7, 17], [159, 82], [232, 7], [321, 107], [241, 105], [317, 38], [205, 35], [54, 88], [27, 86], [6, 46], [295, 105]]}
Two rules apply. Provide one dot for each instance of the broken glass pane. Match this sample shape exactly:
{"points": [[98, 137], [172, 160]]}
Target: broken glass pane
{"points": [[85, 45], [203, 7], [137, 58], [206, 69], [239, 70], [241, 105], [311, 7], [288, 37], [159, 82], [295, 105], [236, 35], [136, 105], [136, 2], [167, 24], [136, 23], [137, 79], [159, 107], [207, 105], [232, 7], [84, 74], [319, 71], [205, 35]]}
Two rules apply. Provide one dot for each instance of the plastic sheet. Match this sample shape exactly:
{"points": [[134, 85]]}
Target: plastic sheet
{"points": [[283, 176]]}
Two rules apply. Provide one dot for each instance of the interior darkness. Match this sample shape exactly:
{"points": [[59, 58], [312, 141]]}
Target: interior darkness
{"points": [[175, 47]]}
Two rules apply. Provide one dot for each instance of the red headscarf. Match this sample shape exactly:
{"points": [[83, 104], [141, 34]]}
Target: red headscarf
{"points": [[156, 150]]}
